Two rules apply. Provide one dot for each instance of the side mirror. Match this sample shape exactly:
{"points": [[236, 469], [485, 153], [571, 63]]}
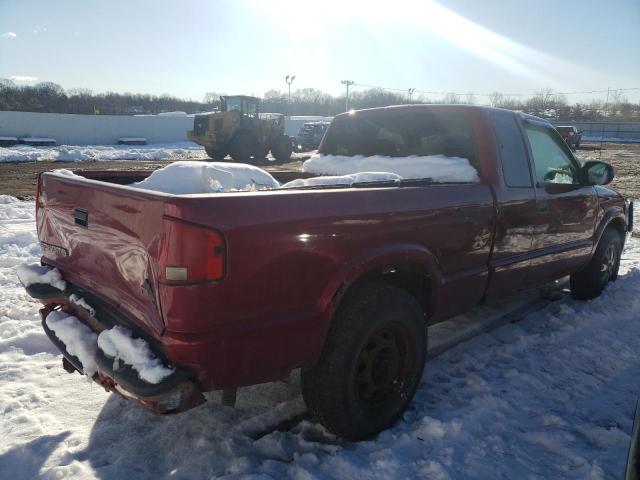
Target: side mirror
{"points": [[597, 173]]}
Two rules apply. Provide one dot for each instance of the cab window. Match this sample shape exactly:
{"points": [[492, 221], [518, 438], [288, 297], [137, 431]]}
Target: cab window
{"points": [[553, 164]]}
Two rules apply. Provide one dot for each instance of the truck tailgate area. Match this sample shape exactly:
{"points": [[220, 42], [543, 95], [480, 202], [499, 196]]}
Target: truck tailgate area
{"points": [[104, 241]]}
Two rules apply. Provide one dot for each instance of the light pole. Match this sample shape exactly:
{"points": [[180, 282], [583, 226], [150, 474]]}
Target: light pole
{"points": [[289, 79], [348, 83], [411, 90]]}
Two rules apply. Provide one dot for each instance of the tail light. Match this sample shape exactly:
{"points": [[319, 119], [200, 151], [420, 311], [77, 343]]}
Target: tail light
{"points": [[190, 253]]}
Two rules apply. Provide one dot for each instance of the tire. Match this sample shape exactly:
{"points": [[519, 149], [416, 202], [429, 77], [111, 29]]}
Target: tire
{"points": [[260, 158], [603, 268], [215, 154], [242, 147], [371, 363], [281, 148]]}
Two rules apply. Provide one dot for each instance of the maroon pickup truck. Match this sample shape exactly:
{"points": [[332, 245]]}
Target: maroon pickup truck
{"points": [[238, 288]]}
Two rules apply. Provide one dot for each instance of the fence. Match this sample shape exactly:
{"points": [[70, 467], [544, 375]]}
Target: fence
{"points": [[618, 131]]}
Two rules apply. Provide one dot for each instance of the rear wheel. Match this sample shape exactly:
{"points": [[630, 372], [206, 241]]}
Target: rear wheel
{"points": [[603, 268], [242, 147], [215, 154], [281, 148], [371, 363]]}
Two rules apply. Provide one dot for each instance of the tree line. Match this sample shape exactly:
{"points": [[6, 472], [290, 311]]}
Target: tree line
{"points": [[51, 97]]}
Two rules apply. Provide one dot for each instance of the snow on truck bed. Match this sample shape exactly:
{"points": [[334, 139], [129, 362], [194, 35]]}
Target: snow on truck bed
{"points": [[439, 168], [188, 177], [551, 396], [198, 177]]}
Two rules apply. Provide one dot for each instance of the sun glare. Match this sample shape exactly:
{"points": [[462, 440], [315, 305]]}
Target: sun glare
{"points": [[381, 18]]}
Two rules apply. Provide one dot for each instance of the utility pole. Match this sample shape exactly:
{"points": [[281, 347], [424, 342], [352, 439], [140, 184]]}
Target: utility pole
{"points": [[289, 79], [347, 83], [604, 113], [411, 90]]}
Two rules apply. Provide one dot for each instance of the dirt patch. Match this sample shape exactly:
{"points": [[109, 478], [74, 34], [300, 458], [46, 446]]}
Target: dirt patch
{"points": [[19, 179], [625, 158]]}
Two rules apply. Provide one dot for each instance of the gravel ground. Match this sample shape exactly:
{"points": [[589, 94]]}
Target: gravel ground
{"points": [[625, 158], [19, 179]]}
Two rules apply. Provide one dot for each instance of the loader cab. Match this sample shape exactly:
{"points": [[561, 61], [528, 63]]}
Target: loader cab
{"points": [[247, 106]]}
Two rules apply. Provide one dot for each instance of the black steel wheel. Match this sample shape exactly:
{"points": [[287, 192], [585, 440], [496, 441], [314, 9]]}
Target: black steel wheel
{"points": [[371, 363], [602, 269]]}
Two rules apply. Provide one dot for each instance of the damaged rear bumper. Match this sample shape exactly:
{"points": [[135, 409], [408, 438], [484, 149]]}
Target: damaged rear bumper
{"points": [[175, 393]]}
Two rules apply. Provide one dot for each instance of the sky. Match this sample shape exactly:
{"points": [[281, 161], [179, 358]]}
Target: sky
{"points": [[189, 47]]}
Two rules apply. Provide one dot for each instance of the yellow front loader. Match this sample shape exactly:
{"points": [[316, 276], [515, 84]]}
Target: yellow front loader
{"points": [[240, 130]]}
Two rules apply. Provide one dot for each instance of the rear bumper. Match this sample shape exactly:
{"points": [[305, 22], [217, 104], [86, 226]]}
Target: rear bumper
{"points": [[175, 393]]}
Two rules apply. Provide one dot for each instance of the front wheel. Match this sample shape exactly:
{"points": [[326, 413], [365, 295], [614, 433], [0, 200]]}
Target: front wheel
{"points": [[215, 154], [603, 268], [282, 148], [242, 147], [371, 364]]}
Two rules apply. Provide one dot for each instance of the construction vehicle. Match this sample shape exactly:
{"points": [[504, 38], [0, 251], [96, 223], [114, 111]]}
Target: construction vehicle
{"points": [[240, 130]]}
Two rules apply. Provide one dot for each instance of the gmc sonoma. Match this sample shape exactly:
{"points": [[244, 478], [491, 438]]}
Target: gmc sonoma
{"points": [[238, 288]]}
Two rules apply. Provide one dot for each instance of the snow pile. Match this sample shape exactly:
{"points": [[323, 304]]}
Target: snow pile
{"points": [[76, 153], [439, 168], [119, 343], [79, 339], [33, 274], [65, 172], [343, 179], [182, 178]]}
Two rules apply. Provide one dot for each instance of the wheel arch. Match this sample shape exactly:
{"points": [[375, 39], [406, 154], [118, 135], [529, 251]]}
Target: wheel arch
{"points": [[413, 268], [613, 218]]}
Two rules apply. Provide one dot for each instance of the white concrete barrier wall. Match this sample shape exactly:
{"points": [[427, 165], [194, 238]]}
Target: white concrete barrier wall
{"points": [[70, 129], [95, 129]]}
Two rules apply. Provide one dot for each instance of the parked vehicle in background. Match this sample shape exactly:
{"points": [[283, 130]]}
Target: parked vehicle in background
{"points": [[240, 130], [570, 134], [311, 134], [234, 289]]}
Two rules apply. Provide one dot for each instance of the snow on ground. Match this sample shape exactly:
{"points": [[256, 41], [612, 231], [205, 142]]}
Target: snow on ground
{"points": [[75, 153], [437, 167], [551, 396]]}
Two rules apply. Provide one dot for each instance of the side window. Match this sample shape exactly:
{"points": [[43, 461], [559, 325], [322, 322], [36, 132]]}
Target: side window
{"points": [[513, 154], [553, 164]]}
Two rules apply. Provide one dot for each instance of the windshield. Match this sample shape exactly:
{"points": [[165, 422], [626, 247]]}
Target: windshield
{"points": [[234, 104]]}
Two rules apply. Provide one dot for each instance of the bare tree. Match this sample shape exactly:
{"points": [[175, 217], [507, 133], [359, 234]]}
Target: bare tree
{"points": [[496, 99], [451, 97]]}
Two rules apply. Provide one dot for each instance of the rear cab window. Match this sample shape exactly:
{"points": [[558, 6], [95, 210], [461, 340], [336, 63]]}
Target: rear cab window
{"points": [[402, 134], [512, 149]]}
